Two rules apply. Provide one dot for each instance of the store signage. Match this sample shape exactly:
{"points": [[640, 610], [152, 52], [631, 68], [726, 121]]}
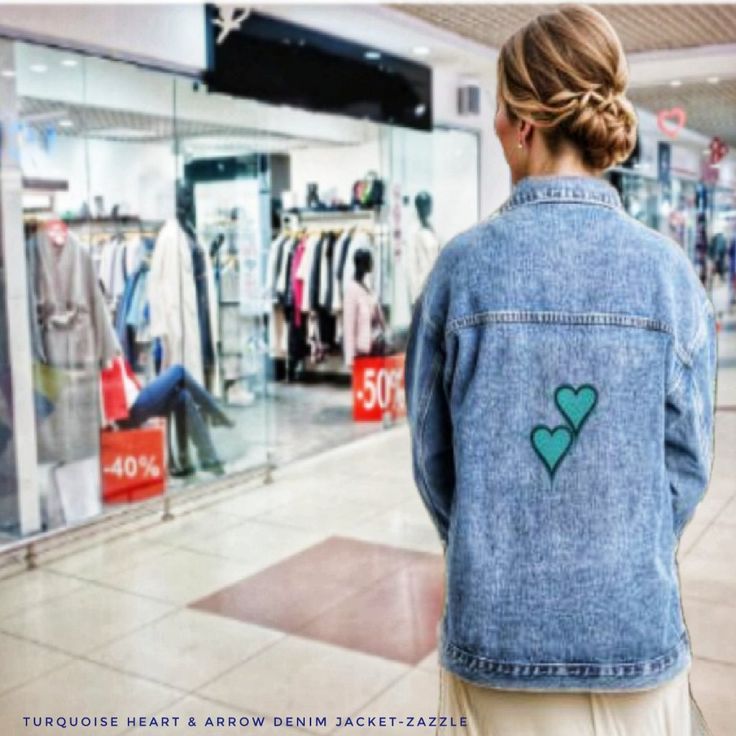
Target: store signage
{"points": [[671, 122], [229, 19], [259, 57], [378, 388]]}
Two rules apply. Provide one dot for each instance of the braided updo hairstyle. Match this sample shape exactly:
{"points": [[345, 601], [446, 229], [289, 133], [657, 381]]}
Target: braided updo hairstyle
{"points": [[566, 73]]}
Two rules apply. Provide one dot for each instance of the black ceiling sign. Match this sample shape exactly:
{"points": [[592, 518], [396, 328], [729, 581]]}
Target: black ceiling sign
{"points": [[255, 56]]}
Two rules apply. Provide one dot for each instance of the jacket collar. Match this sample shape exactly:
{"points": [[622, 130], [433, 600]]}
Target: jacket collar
{"points": [[582, 189]]}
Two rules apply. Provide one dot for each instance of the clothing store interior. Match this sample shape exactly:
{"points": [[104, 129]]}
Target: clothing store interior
{"points": [[224, 261]]}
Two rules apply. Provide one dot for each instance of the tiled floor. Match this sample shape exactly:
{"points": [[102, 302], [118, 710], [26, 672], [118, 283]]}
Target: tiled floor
{"points": [[314, 596]]}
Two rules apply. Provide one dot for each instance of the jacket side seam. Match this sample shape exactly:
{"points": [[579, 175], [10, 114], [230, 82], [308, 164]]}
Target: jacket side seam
{"points": [[420, 430]]}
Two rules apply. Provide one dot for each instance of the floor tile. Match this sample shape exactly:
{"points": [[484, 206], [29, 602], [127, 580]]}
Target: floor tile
{"points": [[302, 677], [396, 618], [430, 663], [399, 527], [101, 560], [254, 545], [706, 573], [80, 622], [320, 514], [82, 688], [179, 576], [288, 594], [416, 694], [206, 714], [713, 686], [712, 629], [22, 592], [184, 527], [186, 649], [24, 661]]}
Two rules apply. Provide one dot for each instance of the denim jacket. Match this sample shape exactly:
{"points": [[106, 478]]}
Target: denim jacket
{"points": [[560, 380]]}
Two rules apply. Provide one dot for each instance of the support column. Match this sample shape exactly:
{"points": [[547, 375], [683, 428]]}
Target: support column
{"points": [[12, 243]]}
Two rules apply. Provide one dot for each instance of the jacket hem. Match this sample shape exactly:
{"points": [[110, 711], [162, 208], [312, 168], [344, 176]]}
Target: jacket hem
{"points": [[567, 676]]}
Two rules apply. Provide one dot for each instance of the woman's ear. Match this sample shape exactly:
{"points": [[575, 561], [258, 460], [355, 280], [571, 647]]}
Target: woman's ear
{"points": [[525, 133]]}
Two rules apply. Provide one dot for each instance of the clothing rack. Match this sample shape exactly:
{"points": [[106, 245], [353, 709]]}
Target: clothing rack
{"points": [[327, 219]]}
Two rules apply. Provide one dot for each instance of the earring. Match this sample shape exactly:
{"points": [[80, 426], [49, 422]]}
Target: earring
{"points": [[520, 145]]}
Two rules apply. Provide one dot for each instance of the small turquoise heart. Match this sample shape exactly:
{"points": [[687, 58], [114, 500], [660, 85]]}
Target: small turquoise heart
{"points": [[551, 445], [576, 404]]}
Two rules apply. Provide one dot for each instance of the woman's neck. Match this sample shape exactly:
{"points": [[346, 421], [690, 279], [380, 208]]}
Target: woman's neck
{"points": [[567, 163]]}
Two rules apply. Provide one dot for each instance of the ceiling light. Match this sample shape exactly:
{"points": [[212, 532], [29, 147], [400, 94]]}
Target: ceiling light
{"points": [[69, 62], [372, 55], [675, 83], [8, 73], [66, 124], [713, 80], [421, 50], [39, 68]]}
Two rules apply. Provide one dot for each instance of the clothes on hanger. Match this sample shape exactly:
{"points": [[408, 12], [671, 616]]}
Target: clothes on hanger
{"points": [[423, 252], [173, 301], [73, 338]]}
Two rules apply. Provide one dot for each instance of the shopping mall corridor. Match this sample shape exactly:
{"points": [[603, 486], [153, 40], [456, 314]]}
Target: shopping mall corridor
{"points": [[317, 595]]}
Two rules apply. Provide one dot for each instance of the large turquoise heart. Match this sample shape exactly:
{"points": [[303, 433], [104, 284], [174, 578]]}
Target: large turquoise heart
{"points": [[576, 404], [551, 445]]}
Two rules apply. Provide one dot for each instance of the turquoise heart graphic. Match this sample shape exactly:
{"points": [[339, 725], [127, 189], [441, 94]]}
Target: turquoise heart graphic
{"points": [[551, 445], [576, 404]]}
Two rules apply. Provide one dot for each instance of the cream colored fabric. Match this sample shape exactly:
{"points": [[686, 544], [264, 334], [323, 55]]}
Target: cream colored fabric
{"points": [[662, 711]]}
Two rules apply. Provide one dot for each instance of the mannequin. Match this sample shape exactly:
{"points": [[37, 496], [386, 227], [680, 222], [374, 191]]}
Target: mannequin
{"points": [[364, 326], [424, 248]]}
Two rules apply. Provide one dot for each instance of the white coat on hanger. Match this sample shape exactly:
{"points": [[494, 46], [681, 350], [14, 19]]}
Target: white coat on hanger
{"points": [[173, 301]]}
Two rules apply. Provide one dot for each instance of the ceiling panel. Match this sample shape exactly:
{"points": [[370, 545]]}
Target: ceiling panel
{"points": [[641, 27], [711, 109]]}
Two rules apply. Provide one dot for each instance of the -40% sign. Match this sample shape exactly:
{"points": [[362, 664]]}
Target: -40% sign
{"points": [[134, 466]]}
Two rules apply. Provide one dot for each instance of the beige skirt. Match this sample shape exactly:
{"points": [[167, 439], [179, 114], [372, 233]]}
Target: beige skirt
{"points": [[662, 711]]}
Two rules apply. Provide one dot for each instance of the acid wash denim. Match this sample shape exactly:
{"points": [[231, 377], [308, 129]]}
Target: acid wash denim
{"points": [[560, 380]]}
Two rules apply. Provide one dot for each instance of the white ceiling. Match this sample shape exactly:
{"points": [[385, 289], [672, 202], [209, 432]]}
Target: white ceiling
{"points": [[689, 43]]}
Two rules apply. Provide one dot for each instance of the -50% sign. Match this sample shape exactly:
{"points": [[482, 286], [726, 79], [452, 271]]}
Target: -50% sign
{"points": [[378, 388]]}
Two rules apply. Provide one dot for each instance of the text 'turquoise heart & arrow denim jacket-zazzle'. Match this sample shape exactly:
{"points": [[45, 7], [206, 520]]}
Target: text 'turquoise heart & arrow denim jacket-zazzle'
{"points": [[560, 380]]}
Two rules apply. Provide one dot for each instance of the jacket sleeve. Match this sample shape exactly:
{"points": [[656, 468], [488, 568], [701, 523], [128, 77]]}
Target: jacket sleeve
{"points": [[429, 418], [689, 421]]}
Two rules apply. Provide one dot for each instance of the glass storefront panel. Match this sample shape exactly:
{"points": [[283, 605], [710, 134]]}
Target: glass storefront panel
{"points": [[192, 260], [433, 196], [9, 510]]}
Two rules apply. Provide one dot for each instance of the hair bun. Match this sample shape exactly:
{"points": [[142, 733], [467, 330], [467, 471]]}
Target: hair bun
{"points": [[604, 126]]}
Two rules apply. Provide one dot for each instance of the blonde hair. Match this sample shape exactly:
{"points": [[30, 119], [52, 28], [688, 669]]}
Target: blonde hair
{"points": [[566, 73]]}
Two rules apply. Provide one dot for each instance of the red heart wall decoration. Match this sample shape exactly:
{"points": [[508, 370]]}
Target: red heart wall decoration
{"points": [[671, 122]]}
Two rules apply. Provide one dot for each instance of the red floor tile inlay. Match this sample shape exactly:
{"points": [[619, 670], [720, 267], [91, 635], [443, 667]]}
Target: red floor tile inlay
{"points": [[368, 597]]}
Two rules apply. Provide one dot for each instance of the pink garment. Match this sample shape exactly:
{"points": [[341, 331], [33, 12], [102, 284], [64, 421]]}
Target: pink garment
{"points": [[297, 283], [361, 315]]}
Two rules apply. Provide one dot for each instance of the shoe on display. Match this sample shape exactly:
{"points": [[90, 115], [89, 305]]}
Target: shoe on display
{"points": [[240, 396], [214, 466], [182, 472]]}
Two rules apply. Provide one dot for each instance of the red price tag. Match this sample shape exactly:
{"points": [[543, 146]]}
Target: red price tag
{"points": [[378, 388]]}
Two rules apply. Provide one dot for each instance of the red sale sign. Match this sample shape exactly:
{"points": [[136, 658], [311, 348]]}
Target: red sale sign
{"points": [[132, 463], [378, 388]]}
